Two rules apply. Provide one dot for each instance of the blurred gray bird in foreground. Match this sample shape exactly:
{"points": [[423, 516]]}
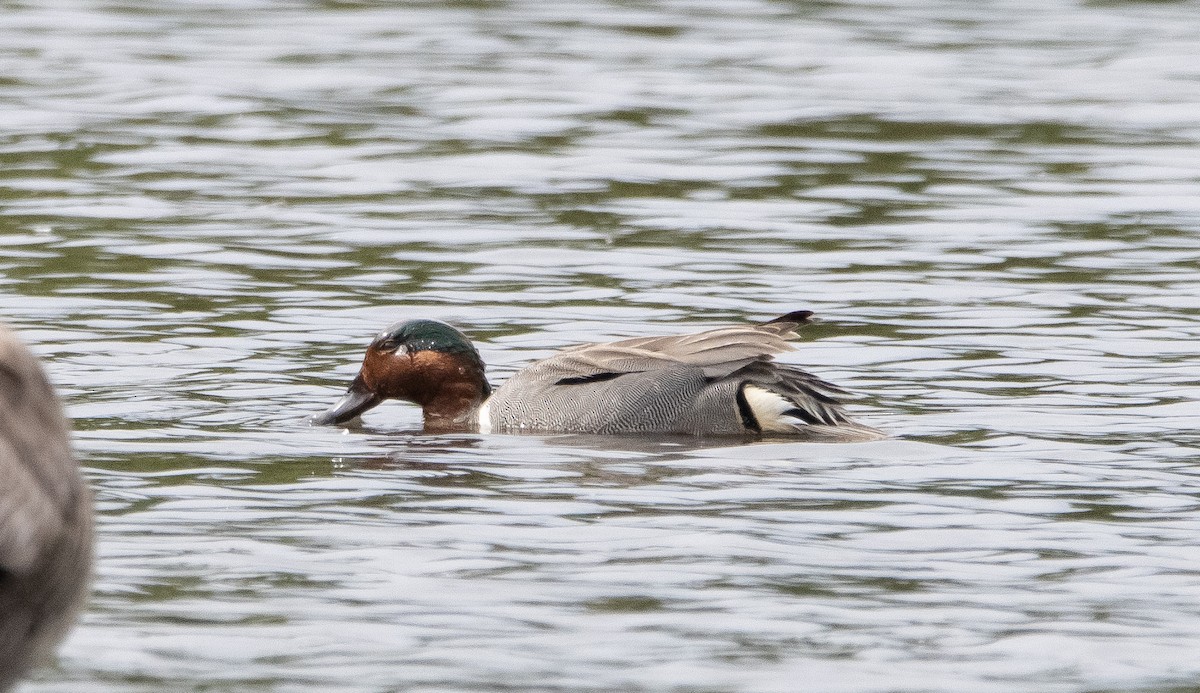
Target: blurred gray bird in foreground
{"points": [[45, 517]]}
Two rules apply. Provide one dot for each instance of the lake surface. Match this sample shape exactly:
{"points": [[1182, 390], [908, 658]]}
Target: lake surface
{"points": [[208, 208]]}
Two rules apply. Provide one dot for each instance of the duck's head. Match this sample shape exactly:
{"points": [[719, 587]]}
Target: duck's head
{"points": [[423, 361]]}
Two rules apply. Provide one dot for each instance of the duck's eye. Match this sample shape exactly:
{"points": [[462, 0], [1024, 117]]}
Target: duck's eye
{"points": [[389, 345]]}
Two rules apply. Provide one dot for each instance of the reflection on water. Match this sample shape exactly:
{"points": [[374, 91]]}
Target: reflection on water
{"points": [[210, 208]]}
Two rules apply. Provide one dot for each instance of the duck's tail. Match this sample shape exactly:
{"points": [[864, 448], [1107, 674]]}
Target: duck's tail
{"points": [[787, 324]]}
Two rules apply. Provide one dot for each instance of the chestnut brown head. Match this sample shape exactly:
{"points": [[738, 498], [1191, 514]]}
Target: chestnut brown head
{"points": [[423, 361]]}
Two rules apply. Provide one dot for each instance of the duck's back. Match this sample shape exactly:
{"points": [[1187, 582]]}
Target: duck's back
{"points": [[718, 382], [45, 516]]}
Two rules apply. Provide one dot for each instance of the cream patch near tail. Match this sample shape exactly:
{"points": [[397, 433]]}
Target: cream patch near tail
{"points": [[768, 409]]}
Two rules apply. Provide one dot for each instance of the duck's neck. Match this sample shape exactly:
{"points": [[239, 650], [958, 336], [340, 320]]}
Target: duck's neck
{"points": [[455, 407], [452, 389]]}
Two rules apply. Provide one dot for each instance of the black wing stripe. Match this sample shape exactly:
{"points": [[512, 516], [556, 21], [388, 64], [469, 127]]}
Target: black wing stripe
{"points": [[593, 378]]}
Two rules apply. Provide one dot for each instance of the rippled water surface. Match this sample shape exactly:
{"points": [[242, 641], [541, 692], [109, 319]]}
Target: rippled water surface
{"points": [[208, 208]]}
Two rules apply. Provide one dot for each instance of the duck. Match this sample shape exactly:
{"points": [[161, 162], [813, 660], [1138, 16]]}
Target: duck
{"points": [[719, 382], [45, 517]]}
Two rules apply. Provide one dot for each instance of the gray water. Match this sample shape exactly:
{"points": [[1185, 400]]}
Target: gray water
{"points": [[207, 209]]}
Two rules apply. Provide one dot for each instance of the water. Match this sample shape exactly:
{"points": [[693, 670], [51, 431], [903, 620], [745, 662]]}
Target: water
{"points": [[208, 208]]}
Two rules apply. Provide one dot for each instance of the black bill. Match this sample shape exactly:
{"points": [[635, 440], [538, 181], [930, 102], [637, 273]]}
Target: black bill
{"points": [[357, 400]]}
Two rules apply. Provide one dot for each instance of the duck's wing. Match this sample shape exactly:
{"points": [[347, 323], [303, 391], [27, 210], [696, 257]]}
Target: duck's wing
{"points": [[718, 352]]}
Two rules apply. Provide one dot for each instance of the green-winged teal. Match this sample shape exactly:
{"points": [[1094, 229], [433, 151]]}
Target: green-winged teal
{"points": [[717, 382]]}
